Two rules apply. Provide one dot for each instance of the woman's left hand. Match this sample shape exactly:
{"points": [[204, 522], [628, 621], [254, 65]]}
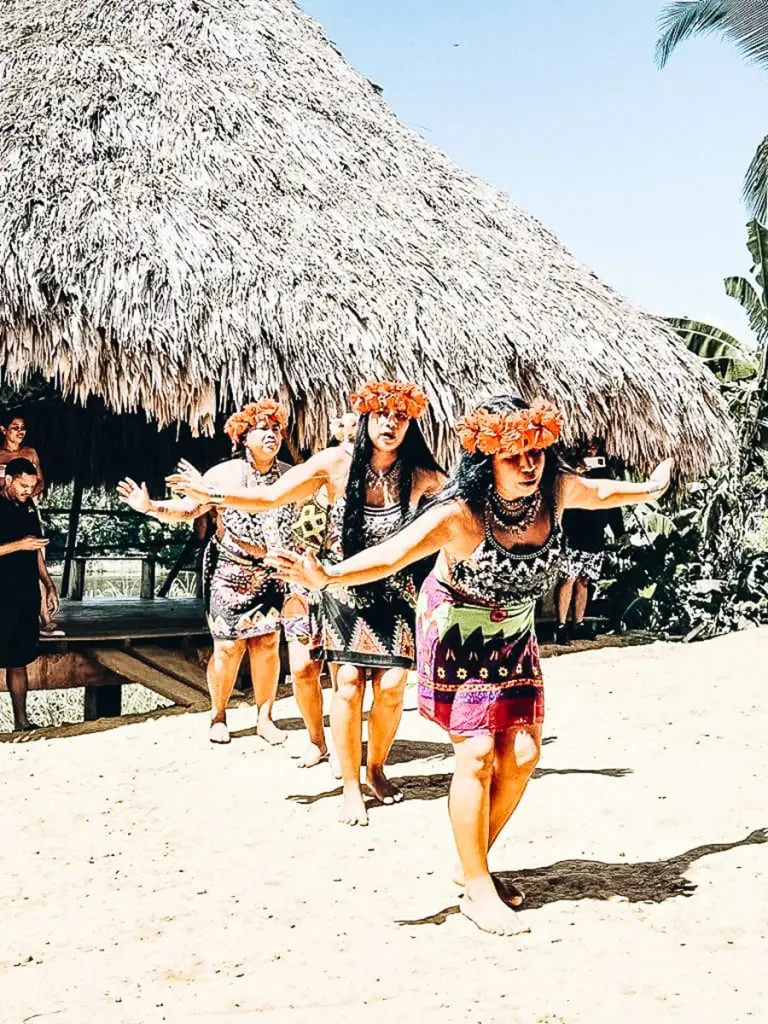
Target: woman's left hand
{"points": [[188, 480]]}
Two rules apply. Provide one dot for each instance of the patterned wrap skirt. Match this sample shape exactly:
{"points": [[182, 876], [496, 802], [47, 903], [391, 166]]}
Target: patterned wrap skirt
{"points": [[244, 598], [372, 626], [301, 618], [583, 565], [478, 666]]}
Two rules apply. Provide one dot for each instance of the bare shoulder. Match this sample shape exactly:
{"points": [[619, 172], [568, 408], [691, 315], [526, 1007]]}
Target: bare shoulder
{"points": [[333, 460], [428, 482], [224, 473]]}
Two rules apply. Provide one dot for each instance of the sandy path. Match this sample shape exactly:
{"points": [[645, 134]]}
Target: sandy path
{"points": [[147, 877]]}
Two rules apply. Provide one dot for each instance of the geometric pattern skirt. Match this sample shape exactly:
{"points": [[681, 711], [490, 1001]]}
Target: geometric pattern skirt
{"points": [[244, 598], [372, 626], [478, 665]]}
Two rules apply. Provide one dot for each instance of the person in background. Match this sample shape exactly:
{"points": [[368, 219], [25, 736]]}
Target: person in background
{"points": [[585, 534], [247, 607], [22, 573], [343, 430], [13, 432]]}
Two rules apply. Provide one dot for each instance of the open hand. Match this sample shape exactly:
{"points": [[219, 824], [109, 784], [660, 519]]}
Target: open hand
{"points": [[304, 569], [188, 480], [661, 477], [31, 543], [134, 496]]}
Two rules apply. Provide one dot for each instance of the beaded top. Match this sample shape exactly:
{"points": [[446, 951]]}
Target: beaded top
{"points": [[267, 530], [495, 575]]}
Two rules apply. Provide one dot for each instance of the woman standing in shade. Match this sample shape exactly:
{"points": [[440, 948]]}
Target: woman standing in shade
{"points": [[245, 602], [368, 630], [497, 528]]}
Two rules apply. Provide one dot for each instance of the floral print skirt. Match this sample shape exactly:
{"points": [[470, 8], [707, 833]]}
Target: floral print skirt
{"points": [[478, 665]]}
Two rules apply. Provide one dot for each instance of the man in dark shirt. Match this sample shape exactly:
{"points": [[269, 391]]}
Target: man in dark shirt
{"points": [[22, 570], [585, 535]]}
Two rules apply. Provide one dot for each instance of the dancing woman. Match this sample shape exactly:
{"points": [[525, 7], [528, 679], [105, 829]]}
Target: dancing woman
{"points": [[245, 601], [369, 629], [497, 528]]}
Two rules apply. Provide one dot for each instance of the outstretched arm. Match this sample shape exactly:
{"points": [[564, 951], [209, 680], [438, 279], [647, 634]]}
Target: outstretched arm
{"points": [[423, 537], [296, 485], [581, 492], [177, 510]]}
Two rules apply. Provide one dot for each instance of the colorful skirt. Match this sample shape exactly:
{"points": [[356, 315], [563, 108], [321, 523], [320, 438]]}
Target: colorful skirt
{"points": [[244, 598], [478, 666], [301, 618], [372, 626]]}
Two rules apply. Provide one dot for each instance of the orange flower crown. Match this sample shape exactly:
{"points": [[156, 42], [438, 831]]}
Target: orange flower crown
{"points": [[511, 433], [390, 396], [265, 412]]}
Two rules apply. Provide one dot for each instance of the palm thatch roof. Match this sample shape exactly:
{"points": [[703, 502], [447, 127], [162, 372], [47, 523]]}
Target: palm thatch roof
{"points": [[201, 201]]}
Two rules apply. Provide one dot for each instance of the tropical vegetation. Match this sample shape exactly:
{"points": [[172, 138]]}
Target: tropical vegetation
{"points": [[745, 24], [702, 568]]}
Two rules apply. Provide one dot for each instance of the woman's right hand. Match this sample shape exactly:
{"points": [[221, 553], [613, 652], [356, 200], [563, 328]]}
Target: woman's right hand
{"points": [[31, 543], [302, 569], [134, 496]]}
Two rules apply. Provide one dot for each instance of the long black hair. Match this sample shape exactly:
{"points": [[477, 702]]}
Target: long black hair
{"points": [[413, 454], [473, 480]]}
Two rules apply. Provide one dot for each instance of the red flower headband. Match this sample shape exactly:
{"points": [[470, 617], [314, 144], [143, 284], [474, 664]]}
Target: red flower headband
{"points": [[511, 433], [390, 396], [265, 412]]}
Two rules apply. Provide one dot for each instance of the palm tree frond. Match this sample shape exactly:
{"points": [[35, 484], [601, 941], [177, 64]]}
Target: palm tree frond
{"points": [[748, 26], [684, 19], [757, 243], [755, 189]]}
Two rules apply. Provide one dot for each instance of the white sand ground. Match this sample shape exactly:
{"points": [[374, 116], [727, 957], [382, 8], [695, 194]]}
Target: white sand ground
{"points": [[148, 877]]}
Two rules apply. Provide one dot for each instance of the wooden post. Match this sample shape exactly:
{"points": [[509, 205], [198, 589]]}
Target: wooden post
{"points": [[77, 582], [74, 522], [102, 702], [148, 578], [178, 565]]}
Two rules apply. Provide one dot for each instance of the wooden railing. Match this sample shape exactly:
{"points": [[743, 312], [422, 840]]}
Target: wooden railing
{"points": [[76, 556], [77, 578]]}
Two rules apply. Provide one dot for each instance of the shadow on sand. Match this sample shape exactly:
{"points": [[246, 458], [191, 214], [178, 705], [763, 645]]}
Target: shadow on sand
{"points": [[434, 787], [650, 882]]}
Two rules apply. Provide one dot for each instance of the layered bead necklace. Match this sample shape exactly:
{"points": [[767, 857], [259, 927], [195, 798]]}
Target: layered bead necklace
{"points": [[512, 515], [388, 481]]}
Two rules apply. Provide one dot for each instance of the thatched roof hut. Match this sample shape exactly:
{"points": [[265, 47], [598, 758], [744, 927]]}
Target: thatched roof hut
{"points": [[200, 200]]}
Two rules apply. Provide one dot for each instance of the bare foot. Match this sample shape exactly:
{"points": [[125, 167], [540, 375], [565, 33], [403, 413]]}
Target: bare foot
{"points": [[219, 733], [386, 792], [353, 810], [270, 733], [26, 726], [512, 894], [333, 758], [313, 755], [489, 912]]}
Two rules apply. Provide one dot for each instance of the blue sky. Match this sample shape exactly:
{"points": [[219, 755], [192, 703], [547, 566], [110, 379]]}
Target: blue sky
{"points": [[559, 103]]}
